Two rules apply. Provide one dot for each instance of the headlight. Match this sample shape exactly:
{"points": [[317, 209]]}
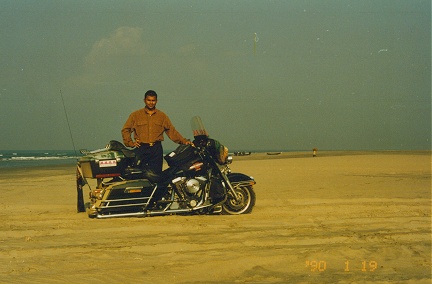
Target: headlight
{"points": [[229, 159]]}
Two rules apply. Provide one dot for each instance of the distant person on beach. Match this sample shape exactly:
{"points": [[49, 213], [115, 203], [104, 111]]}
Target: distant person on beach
{"points": [[148, 126]]}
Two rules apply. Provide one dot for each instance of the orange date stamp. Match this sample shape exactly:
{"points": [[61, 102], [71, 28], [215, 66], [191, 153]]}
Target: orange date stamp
{"points": [[364, 265]]}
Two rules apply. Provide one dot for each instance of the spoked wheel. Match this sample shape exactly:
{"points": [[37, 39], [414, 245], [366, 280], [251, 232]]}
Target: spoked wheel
{"points": [[244, 204]]}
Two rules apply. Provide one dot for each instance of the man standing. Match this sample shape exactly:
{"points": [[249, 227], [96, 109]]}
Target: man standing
{"points": [[148, 126]]}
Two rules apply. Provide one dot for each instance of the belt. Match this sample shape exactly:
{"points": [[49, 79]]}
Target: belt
{"points": [[150, 144]]}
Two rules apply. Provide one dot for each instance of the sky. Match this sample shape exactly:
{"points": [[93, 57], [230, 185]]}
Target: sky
{"points": [[262, 75]]}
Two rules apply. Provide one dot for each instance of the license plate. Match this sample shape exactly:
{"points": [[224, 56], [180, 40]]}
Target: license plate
{"points": [[107, 163]]}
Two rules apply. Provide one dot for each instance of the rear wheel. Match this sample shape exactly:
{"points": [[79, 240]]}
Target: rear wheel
{"points": [[244, 204]]}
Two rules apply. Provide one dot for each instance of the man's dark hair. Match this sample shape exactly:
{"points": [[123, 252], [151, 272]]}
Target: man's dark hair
{"points": [[150, 93]]}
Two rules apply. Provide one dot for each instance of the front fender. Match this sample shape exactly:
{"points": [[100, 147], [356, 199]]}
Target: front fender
{"points": [[239, 177]]}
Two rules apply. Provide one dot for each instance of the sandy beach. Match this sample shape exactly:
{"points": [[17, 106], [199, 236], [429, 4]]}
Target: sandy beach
{"points": [[340, 217]]}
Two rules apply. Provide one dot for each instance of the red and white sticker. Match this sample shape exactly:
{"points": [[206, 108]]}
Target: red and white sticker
{"points": [[107, 163]]}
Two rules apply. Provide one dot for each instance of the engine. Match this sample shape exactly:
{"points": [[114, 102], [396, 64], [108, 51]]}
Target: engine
{"points": [[190, 190]]}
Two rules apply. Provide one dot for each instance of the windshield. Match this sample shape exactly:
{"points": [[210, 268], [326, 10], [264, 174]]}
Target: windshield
{"points": [[198, 128]]}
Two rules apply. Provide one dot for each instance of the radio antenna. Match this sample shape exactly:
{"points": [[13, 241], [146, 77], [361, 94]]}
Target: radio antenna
{"points": [[67, 120]]}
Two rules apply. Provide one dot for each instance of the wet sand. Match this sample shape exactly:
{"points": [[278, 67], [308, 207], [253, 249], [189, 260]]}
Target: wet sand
{"points": [[341, 217]]}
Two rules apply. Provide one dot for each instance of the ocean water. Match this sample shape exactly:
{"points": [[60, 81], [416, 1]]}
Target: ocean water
{"points": [[35, 158]]}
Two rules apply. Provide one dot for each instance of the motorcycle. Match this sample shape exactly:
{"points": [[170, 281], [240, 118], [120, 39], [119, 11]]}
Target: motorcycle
{"points": [[198, 180]]}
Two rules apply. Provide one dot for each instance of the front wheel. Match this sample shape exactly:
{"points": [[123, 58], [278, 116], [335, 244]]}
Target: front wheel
{"points": [[244, 205]]}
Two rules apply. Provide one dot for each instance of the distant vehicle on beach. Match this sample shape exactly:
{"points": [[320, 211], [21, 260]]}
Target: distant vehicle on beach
{"points": [[242, 153]]}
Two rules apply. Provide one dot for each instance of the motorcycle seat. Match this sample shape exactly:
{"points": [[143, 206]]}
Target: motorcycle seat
{"points": [[140, 173], [117, 146], [128, 153]]}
